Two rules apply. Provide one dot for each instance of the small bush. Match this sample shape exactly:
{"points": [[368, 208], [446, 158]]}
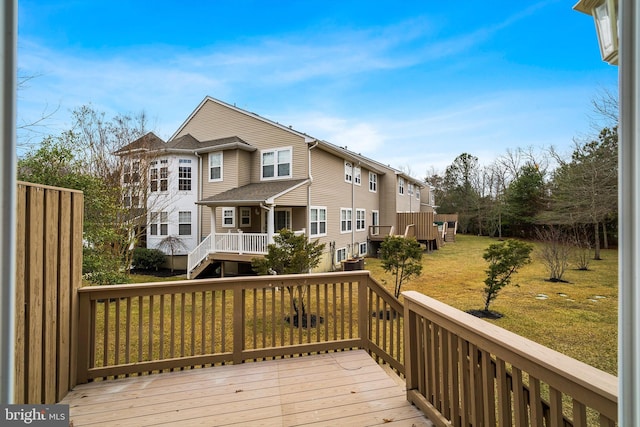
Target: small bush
{"points": [[102, 268], [147, 259]]}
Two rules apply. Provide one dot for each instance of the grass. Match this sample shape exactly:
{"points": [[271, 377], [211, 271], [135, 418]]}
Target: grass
{"points": [[578, 318]]}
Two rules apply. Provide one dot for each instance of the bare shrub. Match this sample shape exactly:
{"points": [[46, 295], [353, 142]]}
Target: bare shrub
{"points": [[556, 250]]}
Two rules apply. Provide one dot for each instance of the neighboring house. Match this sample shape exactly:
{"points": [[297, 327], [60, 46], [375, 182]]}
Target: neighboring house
{"points": [[240, 178]]}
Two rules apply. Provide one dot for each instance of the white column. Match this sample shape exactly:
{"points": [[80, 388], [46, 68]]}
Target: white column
{"points": [[8, 184], [629, 218], [270, 224], [213, 228]]}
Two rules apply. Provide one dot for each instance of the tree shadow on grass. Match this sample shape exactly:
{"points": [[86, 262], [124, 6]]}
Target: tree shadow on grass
{"points": [[485, 314]]}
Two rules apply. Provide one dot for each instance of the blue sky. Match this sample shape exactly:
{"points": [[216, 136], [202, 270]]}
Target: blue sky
{"points": [[409, 83]]}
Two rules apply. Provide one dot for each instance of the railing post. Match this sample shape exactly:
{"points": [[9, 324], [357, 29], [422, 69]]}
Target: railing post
{"points": [[410, 351], [84, 338], [238, 325], [240, 242], [363, 312]]}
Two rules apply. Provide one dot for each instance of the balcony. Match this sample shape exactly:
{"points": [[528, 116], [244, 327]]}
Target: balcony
{"points": [[257, 347]]}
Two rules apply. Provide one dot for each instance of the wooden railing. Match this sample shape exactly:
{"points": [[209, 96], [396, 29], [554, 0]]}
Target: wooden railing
{"points": [[143, 328], [464, 371], [48, 272]]}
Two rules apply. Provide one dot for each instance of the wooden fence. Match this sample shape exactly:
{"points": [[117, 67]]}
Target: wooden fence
{"points": [[143, 328], [49, 270], [463, 371]]}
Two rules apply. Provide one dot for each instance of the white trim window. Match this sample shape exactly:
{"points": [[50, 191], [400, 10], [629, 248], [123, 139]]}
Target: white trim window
{"points": [[410, 190], [164, 223], [164, 177], [276, 164], [348, 172], [345, 220], [341, 255], [184, 223], [362, 249], [418, 193], [228, 217], [401, 185], [373, 182], [318, 221], [245, 217], [357, 175], [153, 223], [361, 216], [215, 167], [184, 175]]}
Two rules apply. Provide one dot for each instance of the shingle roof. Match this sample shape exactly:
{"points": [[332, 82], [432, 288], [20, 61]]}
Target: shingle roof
{"points": [[260, 192], [151, 142], [148, 142]]}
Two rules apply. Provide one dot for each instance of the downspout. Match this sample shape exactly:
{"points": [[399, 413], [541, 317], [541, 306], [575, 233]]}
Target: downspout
{"points": [[309, 187], [354, 224], [309, 192], [199, 222]]}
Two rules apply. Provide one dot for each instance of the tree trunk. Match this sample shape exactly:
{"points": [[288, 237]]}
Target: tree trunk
{"points": [[605, 239], [596, 228]]}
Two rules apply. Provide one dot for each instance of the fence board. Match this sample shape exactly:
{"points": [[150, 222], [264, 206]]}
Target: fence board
{"points": [[48, 271]]}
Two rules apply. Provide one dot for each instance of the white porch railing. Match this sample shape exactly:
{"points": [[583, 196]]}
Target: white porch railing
{"points": [[197, 255], [240, 243], [236, 243]]}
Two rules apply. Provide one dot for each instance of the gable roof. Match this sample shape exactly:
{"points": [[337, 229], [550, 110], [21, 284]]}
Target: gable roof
{"points": [[208, 98], [184, 144], [259, 192], [145, 143]]}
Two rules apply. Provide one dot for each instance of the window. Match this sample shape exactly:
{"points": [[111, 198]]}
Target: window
{"points": [[127, 201], [126, 173], [153, 223], [228, 217], [362, 248], [341, 255], [245, 217], [184, 223], [410, 190], [417, 193], [215, 167], [357, 175], [276, 163], [164, 178], [360, 219], [184, 178], [164, 223], [373, 182], [345, 220], [400, 185], [153, 179], [318, 221], [348, 172], [135, 177]]}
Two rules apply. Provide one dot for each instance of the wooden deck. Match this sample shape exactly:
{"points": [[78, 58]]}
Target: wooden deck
{"points": [[344, 388]]}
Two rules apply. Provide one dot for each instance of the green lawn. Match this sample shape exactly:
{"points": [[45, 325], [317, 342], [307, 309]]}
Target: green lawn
{"points": [[578, 318]]}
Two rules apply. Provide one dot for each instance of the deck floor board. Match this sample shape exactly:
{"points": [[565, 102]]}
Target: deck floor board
{"points": [[343, 388]]}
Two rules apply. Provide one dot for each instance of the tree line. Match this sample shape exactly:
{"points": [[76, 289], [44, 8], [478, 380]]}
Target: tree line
{"points": [[520, 195]]}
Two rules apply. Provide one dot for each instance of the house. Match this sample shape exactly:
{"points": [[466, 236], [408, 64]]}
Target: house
{"points": [[228, 179]]}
